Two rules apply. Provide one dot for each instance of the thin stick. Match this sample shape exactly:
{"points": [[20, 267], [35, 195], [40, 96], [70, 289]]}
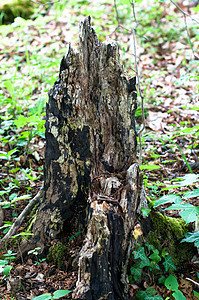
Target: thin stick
{"points": [[183, 12], [21, 217], [186, 27], [196, 283], [47, 3], [139, 85]]}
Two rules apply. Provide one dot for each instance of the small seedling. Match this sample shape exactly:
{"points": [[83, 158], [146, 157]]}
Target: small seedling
{"points": [[56, 295]]}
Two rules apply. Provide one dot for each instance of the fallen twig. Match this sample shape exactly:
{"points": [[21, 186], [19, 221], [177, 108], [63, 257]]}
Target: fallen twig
{"points": [[196, 283], [43, 4], [187, 30], [15, 226]]}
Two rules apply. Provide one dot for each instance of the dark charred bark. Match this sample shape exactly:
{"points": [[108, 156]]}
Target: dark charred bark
{"points": [[91, 174]]}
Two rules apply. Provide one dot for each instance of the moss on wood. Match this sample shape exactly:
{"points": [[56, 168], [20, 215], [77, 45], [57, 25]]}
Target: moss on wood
{"points": [[57, 253], [167, 233]]}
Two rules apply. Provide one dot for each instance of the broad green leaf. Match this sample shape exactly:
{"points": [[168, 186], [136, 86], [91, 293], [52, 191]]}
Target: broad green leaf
{"points": [[188, 179], [162, 279], [194, 193], [149, 167], [3, 262], [140, 254], [136, 270], [178, 295], [6, 270], [12, 196], [168, 263], [157, 297], [153, 266], [21, 121], [155, 257], [164, 253], [149, 246], [191, 237], [196, 294], [43, 297], [171, 283], [145, 211], [189, 215], [141, 295], [151, 291], [60, 293], [189, 212], [171, 198]]}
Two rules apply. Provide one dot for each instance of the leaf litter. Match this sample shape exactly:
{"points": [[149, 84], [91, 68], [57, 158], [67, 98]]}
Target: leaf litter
{"points": [[31, 52]]}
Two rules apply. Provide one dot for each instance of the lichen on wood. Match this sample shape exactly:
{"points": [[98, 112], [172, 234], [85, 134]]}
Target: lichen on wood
{"points": [[92, 181]]}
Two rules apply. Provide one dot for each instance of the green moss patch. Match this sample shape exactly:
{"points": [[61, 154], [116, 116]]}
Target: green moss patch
{"points": [[17, 8], [167, 234], [57, 253]]}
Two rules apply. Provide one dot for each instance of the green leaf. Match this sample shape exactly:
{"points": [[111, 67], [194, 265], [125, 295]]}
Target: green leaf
{"points": [[189, 215], [155, 256], [145, 211], [136, 271], [6, 270], [171, 198], [171, 283], [168, 263], [153, 266], [196, 294], [189, 212], [162, 279], [149, 246], [141, 295], [164, 253], [12, 151], [194, 193], [60, 293], [151, 291], [149, 167], [140, 254], [45, 296], [192, 237], [3, 262], [157, 297], [21, 121], [188, 179], [178, 295], [22, 234]]}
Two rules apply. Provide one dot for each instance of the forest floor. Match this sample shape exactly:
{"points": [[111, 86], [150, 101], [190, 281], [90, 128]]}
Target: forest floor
{"points": [[30, 54]]}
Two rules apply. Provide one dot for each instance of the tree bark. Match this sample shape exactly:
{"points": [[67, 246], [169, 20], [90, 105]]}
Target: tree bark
{"points": [[92, 178]]}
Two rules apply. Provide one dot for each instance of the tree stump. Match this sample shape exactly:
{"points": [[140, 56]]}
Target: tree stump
{"points": [[92, 178]]}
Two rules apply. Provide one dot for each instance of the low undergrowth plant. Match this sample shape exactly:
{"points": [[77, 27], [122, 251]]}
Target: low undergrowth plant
{"points": [[56, 295], [153, 264], [5, 266], [186, 210]]}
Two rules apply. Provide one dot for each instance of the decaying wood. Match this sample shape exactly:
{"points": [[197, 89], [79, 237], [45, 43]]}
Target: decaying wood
{"points": [[92, 180], [104, 257]]}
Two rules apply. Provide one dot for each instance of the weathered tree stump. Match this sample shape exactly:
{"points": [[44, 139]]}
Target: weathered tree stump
{"points": [[91, 175]]}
